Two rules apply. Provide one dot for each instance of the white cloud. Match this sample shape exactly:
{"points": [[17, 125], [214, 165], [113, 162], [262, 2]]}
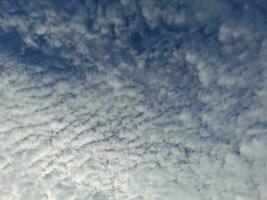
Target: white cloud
{"points": [[133, 101]]}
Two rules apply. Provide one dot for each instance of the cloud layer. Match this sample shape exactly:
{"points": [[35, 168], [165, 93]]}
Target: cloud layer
{"points": [[138, 100]]}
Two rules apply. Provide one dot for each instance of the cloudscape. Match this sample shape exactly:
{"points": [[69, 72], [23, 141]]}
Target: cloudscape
{"points": [[133, 100]]}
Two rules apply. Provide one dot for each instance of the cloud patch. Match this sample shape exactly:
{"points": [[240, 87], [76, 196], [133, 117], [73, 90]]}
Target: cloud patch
{"points": [[133, 100]]}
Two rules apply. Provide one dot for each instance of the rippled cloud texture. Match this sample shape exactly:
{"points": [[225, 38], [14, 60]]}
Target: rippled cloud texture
{"points": [[133, 100]]}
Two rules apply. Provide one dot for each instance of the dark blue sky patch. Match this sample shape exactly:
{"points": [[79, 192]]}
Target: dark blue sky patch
{"points": [[11, 41]]}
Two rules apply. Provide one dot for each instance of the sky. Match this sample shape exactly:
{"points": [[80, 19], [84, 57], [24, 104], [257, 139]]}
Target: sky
{"points": [[133, 100]]}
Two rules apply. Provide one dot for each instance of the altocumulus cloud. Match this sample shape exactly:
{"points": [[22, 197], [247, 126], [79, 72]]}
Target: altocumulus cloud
{"points": [[138, 100]]}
